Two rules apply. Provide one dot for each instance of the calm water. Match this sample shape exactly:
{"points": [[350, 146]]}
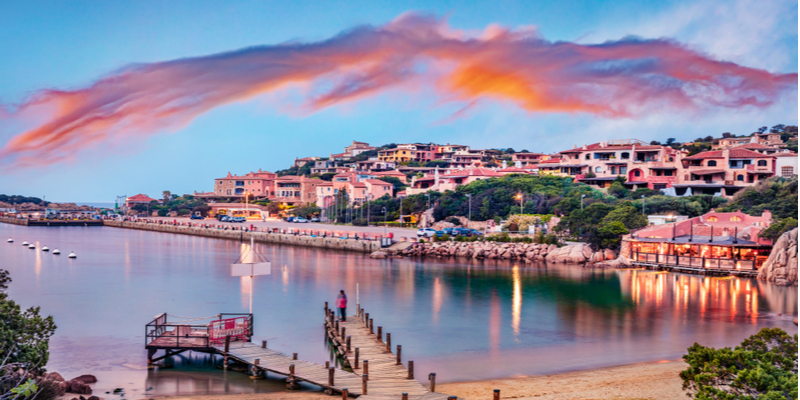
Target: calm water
{"points": [[465, 321]]}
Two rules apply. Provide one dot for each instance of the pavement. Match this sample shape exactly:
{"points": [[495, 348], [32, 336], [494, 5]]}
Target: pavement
{"points": [[281, 224]]}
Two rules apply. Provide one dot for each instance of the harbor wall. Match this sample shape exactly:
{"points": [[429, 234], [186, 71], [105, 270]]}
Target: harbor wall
{"points": [[15, 221], [364, 246]]}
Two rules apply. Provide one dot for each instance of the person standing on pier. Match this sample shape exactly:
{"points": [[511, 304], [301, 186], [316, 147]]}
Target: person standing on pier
{"points": [[341, 304]]}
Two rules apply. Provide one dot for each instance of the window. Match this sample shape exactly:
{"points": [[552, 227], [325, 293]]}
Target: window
{"points": [[588, 156], [637, 173], [625, 155], [787, 172], [762, 163], [598, 169], [712, 163], [623, 170], [740, 178], [712, 219], [736, 218], [613, 170]]}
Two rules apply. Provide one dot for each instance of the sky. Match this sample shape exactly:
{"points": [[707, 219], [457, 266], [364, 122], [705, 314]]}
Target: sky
{"points": [[168, 98]]}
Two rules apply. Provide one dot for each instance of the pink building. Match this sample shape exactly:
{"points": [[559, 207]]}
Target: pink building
{"points": [[450, 180], [258, 184]]}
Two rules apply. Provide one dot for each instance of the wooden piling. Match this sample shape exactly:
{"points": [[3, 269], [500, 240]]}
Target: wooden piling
{"points": [[380, 334], [347, 349], [411, 370], [366, 320], [366, 368], [399, 349], [330, 376], [327, 364], [363, 385], [263, 344], [405, 396], [356, 359], [371, 330], [432, 378], [388, 342], [344, 393], [343, 331], [497, 394], [294, 356]]}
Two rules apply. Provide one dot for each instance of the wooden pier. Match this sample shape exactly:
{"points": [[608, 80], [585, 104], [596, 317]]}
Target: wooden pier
{"points": [[367, 350], [379, 376], [695, 270]]}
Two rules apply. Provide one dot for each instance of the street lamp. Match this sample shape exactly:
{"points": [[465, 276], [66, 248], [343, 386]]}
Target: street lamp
{"points": [[519, 197], [642, 204], [383, 209], [582, 196], [469, 196]]}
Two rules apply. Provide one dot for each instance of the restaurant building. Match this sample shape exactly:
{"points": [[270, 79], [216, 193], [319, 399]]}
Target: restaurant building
{"points": [[714, 241]]}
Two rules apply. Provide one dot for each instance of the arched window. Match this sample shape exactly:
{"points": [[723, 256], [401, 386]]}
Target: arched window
{"points": [[736, 218], [762, 163], [637, 173], [598, 169], [588, 156], [712, 163], [712, 219], [740, 178]]}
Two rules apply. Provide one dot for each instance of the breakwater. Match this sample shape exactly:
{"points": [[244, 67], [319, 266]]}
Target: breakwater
{"points": [[528, 252], [52, 222], [292, 239]]}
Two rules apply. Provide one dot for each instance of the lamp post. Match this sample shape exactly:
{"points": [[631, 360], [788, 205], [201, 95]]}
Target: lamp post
{"points": [[469, 220], [383, 209], [582, 196], [642, 204], [519, 197]]}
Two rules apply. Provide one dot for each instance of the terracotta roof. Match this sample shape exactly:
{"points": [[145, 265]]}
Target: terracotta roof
{"points": [[473, 172], [140, 197], [513, 169], [596, 146], [377, 182], [753, 146], [707, 171], [358, 184], [550, 161], [785, 154], [735, 152]]}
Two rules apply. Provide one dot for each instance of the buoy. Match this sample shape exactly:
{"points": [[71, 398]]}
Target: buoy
{"points": [[31, 246], [72, 255], [45, 248], [24, 243], [10, 240], [56, 251]]}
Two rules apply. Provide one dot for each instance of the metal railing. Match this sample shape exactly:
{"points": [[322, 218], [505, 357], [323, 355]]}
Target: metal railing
{"points": [[696, 262], [177, 335]]}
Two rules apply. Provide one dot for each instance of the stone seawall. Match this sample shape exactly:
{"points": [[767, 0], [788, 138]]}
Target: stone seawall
{"points": [[15, 221], [364, 246]]}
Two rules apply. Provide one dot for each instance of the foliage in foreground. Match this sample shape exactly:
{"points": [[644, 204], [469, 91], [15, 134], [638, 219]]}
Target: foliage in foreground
{"points": [[24, 335], [764, 366]]}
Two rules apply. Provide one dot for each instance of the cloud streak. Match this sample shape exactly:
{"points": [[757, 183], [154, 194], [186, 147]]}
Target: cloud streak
{"points": [[625, 78]]}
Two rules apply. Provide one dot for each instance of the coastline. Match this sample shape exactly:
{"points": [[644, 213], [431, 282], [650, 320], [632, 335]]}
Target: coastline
{"points": [[653, 380]]}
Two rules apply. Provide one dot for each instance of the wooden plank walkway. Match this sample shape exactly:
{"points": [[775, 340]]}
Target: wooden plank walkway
{"points": [[388, 378], [279, 363]]}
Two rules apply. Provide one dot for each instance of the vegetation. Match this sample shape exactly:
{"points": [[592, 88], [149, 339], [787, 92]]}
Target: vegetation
{"points": [[183, 205], [15, 199], [774, 231], [778, 195], [764, 366]]}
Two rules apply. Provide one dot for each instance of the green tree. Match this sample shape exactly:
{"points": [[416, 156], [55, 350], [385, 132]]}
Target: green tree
{"points": [[610, 235], [778, 195], [763, 366], [774, 231], [626, 214], [617, 190], [24, 335]]}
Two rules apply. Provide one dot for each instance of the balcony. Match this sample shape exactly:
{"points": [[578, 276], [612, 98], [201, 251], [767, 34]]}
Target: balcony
{"points": [[764, 169]]}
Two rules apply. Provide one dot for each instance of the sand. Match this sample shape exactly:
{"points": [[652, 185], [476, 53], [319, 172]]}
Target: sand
{"points": [[637, 381]]}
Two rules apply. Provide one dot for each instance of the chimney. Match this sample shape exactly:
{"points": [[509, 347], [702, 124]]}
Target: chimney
{"points": [[584, 147]]}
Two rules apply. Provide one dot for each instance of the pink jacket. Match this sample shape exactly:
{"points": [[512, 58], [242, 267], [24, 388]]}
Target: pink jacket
{"points": [[341, 301]]}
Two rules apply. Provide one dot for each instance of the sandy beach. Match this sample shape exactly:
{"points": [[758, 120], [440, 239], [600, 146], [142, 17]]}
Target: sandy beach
{"points": [[657, 380]]}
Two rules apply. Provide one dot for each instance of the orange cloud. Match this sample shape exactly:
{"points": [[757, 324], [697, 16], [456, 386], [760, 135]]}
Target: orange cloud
{"points": [[612, 79]]}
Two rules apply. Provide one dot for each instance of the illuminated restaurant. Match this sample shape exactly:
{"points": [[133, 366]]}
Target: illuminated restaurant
{"points": [[714, 241]]}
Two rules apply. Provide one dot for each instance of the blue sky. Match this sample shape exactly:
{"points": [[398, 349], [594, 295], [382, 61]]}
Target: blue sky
{"points": [[68, 45]]}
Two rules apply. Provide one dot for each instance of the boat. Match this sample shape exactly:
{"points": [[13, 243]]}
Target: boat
{"points": [[24, 243], [10, 240], [45, 248], [72, 255], [56, 251], [31, 246]]}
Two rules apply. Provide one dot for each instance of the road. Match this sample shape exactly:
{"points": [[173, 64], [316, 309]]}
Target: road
{"points": [[281, 224]]}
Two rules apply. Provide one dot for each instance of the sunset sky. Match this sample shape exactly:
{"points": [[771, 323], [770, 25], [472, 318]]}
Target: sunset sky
{"points": [[108, 98]]}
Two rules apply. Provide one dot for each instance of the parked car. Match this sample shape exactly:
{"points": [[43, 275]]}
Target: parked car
{"points": [[315, 219], [475, 232], [289, 219], [450, 231], [196, 217], [237, 219], [300, 220], [426, 232], [439, 233], [224, 218]]}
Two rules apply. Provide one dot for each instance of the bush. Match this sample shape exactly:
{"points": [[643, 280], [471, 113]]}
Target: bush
{"points": [[764, 366], [455, 221], [774, 231]]}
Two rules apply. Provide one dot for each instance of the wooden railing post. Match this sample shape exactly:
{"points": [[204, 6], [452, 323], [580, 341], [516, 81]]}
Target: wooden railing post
{"points": [[405, 396], [344, 393], [347, 349], [363, 385], [343, 330], [432, 378], [371, 330], [399, 349], [327, 364], [366, 320], [330, 376], [497, 394], [263, 344], [336, 329], [380, 334], [294, 356], [411, 370], [356, 359], [388, 342], [366, 368]]}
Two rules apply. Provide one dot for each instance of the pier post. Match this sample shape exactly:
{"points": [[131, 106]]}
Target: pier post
{"points": [[294, 356], [330, 376], [348, 344], [356, 359], [363, 385], [327, 364], [452, 397], [497, 394], [326, 307], [344, 393], [263, 344], [343, 331], [227, 348], [405, 396], [366, 368], [291, 383], [411, 370], [366, 320], [388, 342], [371, 330], [432, 378], [336, 329], [399, 349], [380, 334]]}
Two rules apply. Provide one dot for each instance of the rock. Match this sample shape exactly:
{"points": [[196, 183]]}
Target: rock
{"points": [[781, 266], [609, 254], [54, 376], [93, 398], [78, 387], [587, 251], [378, 255], [86, 379]]}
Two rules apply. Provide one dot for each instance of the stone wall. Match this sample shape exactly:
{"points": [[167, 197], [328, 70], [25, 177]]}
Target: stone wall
{"points": [[364, 246], [781, 266], [15, 221], [529, 252]]}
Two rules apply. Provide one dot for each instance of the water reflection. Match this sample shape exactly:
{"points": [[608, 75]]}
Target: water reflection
{"points": [[468, 319]]}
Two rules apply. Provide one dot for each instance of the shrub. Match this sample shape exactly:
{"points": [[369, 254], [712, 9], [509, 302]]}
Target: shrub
{"points": [[774, 231], [455, 221], [764, 366]]}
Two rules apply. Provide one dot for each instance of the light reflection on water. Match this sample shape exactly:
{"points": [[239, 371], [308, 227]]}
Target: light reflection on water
{"points": [[464, 320]]}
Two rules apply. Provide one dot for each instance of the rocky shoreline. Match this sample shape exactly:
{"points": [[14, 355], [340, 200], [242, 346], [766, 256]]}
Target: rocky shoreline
{"points": [[527, 252]]}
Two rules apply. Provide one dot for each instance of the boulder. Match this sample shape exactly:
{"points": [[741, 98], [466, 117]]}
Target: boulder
{"points": [[78, 387], [781, 265], [378, 255], [609, 254], [86, 379]]}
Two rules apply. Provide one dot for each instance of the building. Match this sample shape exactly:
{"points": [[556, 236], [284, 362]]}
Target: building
{"points": [[527, 159], [296, 190], [357, 148], [722, 172], [450, 180], [138, 199], [259, 185], [714, 241], [664, 219], [374, 165], [299, 162], [393, 173], [770, 139], [785, 164], [733, 142]]}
